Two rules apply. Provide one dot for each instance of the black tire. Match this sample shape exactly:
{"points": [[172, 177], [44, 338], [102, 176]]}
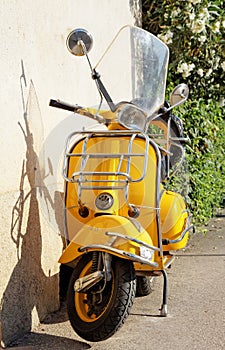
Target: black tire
{"points": [[98, 321], [144, 285]]}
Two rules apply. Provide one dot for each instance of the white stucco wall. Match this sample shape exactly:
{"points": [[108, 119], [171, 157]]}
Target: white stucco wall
{"points": [[36, 66]]}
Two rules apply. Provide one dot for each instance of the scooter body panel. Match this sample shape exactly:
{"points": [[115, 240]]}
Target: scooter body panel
{"points": [[174, 220], [100, 232]]}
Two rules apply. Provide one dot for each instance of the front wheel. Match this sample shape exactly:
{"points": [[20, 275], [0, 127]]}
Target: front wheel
{"points": [[98, 313]]}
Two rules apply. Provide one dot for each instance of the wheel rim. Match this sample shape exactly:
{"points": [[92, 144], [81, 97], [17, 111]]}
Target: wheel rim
{"points": [[87, 312]]}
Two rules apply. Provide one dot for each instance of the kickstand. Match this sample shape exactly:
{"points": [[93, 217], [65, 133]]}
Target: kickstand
{"points": [[163, 310]]}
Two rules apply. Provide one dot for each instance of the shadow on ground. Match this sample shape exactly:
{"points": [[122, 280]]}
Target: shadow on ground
{"points": [[52, 342], [59, 316]]}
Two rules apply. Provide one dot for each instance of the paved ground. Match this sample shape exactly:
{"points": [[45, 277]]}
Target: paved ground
{"points": [[196, 307]]}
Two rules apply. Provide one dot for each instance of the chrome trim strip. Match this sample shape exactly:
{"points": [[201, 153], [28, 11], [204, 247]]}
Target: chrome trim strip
{"points": [[128, 238], [169, 262], [123, 253], [171, 241], [106, 155], [87, 135], [157, 195]]}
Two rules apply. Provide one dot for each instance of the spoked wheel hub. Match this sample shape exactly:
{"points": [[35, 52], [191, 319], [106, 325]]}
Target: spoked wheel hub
{"points": [[97, 300]]}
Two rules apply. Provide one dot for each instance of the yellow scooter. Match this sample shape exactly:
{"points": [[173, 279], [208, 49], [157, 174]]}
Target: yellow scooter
{"points": [[121, 224]]}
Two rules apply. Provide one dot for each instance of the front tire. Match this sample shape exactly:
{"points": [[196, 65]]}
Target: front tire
{"points": [[95, 315]]}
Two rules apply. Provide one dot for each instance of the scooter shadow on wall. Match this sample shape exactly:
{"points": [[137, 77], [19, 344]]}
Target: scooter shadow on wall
{"points": [[29, 289]]}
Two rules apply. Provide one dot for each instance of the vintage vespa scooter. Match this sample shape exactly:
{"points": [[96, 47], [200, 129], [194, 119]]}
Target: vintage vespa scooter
{"points": [[121, 224]]}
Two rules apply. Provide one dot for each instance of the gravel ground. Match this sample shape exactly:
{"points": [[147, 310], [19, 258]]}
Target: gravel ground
{"points": [[196, 307]]}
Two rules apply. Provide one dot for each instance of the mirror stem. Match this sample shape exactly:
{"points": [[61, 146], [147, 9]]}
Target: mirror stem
{"points": [[102, 89], [86, 54], [96, 76]]}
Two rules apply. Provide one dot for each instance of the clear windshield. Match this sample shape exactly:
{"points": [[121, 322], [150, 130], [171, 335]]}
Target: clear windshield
{"points": [[134, 69]]}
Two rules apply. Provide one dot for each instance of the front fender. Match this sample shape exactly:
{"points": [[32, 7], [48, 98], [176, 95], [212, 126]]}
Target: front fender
{"points": [[97, 234]]}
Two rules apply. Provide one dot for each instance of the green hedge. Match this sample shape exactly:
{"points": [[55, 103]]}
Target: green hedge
{"points": [[205, 128], [194, 30]]}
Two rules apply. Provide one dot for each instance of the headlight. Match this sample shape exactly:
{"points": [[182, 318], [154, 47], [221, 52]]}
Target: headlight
{"points": [[132, 117], [104, 201]]}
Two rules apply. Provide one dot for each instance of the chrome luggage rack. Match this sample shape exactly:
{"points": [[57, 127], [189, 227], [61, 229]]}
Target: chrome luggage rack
{"points": [[84, 177]]}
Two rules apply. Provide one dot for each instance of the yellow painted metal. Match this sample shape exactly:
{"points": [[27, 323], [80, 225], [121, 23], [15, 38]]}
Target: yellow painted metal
{"points": [[95, 233], [162, 262], [173, 219]]}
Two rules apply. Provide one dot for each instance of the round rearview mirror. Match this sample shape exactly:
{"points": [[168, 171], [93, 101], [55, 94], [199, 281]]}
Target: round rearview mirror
{"points": [[179, 94], [79, 42]]}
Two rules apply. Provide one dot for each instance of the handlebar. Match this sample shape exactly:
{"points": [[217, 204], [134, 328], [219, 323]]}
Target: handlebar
{"points": [[64, 105], [76, 109]]}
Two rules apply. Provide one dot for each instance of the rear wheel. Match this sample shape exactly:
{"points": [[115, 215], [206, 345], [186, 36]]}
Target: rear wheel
{"points": [[98, 313], [144, 285]]}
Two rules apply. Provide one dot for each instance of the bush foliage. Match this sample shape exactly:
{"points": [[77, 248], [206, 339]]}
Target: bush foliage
{"points": [[194, 30]]}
